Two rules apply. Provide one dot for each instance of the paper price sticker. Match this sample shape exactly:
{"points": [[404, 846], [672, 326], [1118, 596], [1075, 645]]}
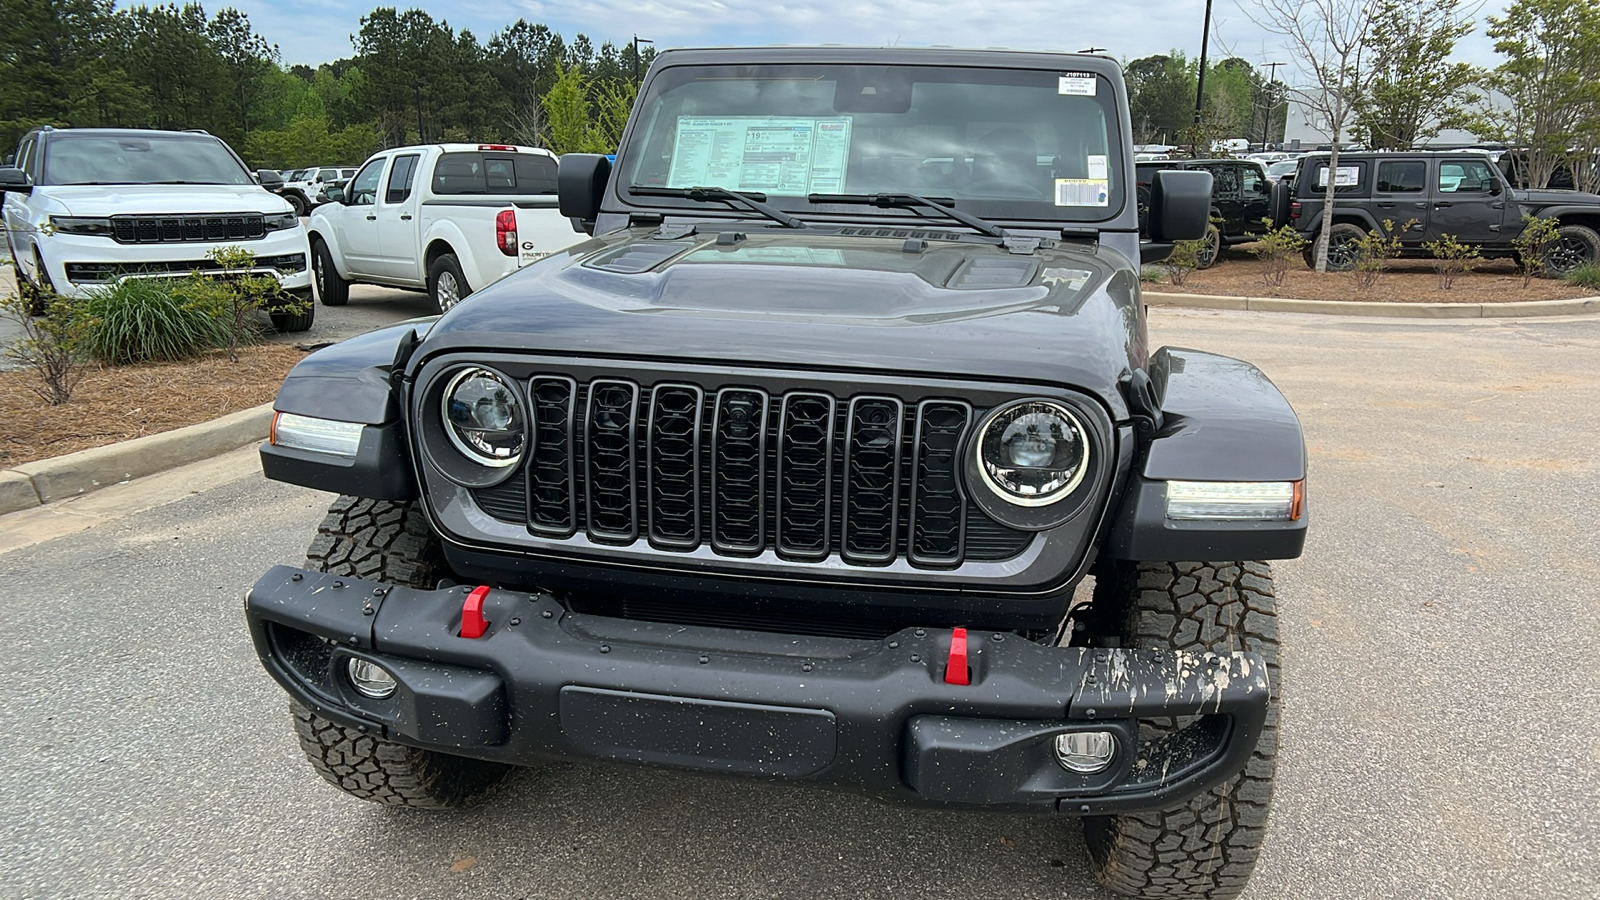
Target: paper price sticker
{"points": [[1077, 84], [1082, 192]]}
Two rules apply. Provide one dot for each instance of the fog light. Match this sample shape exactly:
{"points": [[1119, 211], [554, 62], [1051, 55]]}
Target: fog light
{"points": [[370, 680], [1085, 752]]}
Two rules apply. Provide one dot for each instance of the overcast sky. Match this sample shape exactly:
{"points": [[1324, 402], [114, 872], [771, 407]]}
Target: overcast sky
{"points": [[317, 31]]}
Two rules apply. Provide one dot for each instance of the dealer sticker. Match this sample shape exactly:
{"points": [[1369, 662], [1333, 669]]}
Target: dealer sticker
{"points": [[1082, 192], [1077, 84]]}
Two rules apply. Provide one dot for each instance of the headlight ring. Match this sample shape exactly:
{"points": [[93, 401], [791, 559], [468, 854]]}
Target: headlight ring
{"points": [[1029, 461], [483, 416]]}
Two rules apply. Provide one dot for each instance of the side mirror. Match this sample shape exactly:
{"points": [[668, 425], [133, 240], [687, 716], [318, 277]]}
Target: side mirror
{"points": [[1494, 188], [581, 185], [334, 194], [268, 178], [14, 179], [1180, 205]]}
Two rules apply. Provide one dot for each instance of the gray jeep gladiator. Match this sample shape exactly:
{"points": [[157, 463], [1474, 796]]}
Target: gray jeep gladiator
{"points": [[837, 455]]}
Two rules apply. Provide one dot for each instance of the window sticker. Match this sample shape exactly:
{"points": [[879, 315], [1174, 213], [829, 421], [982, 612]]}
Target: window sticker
{"points": [[1082, 192], [788, 157], [1076, 84], [1347, 176], [1096, 166]]}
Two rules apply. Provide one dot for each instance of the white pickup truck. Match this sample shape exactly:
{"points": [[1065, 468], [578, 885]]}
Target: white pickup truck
{"points": [[446, 218]]}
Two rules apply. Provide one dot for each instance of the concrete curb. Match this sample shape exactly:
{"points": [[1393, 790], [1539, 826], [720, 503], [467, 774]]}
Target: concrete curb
{"points": [[48, 480], [1514, 310]]}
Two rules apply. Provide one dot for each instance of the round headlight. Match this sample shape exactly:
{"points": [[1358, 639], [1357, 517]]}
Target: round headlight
{"points": [[484, 418], [1032, 453]]}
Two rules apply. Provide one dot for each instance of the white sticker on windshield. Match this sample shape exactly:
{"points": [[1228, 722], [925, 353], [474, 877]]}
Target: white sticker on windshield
{"points": [[1097, 167], [1077, 84], [778, 156], [1082, 192]]}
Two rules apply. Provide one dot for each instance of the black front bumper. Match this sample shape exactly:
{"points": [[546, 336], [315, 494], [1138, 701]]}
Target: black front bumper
{"points": [[871, 716]]}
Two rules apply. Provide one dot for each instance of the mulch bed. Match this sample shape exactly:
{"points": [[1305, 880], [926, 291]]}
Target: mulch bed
{"points": [[1239, 274], [115, 403]]}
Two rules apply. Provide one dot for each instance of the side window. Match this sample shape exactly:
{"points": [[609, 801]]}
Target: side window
{"points": [[1402, 176], [1226, 184], [459, 173], [536, 174], [1254, 184], [363, 189], [400, 179], [1465, 177], [25, 158]]}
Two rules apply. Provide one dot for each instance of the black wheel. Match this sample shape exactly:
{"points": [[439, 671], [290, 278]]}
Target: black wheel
{"points": [[1206, 848], [298, 203], [1143, 199], [1344, 249], [333, 290], [447, 286], [37, 296], [1210, 248], [1574, 246], [391, 542], [293, 322]]}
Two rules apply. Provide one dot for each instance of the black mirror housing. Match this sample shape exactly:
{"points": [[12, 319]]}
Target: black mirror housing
{"points": [[1180, 205], [334, 194], [581, 185], [14, 179], [268, 178]]}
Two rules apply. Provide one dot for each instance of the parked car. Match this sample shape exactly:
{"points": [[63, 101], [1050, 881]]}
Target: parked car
{"points": [[1283, 168], [308, 188], [88, 207], [1428, 195], [793, 470], [1241, 197], [447, 218]]}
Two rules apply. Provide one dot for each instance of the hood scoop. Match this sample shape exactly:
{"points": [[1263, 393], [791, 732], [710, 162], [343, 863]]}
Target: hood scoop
{"points": [[903, 234], [641, 256], [989, 274]]}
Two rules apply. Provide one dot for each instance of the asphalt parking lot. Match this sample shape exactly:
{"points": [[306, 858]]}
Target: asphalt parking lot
{"points": [[1441, 684]]}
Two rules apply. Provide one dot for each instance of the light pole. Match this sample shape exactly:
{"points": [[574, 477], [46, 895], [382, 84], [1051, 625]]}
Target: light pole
{"points": [[636, 42], [1200, 88], [1272, 102]]}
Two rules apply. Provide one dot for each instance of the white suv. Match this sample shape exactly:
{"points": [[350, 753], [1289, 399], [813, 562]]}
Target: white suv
{"points": [[306, 189], [89, 207]]}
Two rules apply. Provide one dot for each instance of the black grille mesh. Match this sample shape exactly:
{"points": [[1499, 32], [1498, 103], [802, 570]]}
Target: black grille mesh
{"points": [[802, 473], [186, 229]]}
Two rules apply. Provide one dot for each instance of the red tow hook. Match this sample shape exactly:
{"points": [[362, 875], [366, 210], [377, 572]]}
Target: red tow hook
{"points": [[473, 624], [956, 671]]}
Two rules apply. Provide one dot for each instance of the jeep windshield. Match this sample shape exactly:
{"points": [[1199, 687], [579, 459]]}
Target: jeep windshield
{"points": [[1013, 145], [132, 158]]}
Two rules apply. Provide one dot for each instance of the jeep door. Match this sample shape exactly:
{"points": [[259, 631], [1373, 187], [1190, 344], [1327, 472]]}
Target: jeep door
{"points": [[1226, 198], [1467, 202], [357, 223], [1255, 198], [1400, 195], [397, 221]]}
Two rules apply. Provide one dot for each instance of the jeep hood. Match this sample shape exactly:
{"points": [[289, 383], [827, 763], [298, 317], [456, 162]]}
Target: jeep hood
{"points": [[840, 300], [164, 199], [1547, 197]]}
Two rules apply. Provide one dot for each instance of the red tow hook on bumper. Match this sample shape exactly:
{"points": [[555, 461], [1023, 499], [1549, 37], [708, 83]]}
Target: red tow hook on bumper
{"points": [[473, 624], [956, 670]]}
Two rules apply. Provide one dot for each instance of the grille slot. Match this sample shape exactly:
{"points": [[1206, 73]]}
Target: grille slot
{"points": [[938, 511], [609, 453], [552, 496], [804, 474], [674, 468], [872, 479], [187, 229], [739, 470]]}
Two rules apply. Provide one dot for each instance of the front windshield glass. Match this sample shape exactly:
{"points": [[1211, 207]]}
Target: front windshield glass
{"points": [[1008, 144], [140, 159]]}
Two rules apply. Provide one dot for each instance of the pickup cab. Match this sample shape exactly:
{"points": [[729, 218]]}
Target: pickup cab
{"points": [[449, 219]]}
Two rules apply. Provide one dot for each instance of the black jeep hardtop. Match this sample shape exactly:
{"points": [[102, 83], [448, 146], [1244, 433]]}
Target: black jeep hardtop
{"points": [[838, 454]]}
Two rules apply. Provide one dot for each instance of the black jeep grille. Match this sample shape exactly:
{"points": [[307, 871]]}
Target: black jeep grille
{"points": [[187, 229], [871, 479]]}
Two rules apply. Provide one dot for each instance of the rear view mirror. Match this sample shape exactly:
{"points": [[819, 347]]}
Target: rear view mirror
{"points": [[1180, 205], [12, 179], [581, 185]]}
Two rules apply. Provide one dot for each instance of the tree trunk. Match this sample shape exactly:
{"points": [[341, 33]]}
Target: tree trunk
{"points": [[1327, 207]]}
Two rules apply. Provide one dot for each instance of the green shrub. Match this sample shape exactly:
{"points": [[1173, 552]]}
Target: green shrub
{"points": [[1374, 250], [1185, 259], [1585, 276], [1537, 234], [144, 320], [51, 346], [1275, 247], [1452, 259]]}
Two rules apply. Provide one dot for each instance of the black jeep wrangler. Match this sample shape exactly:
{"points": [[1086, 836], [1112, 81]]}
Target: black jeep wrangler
{"points": [[837, 455], [1430, 195], [1241, 197]]}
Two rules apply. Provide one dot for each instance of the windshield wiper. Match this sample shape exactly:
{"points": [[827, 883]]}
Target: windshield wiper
{"points": [[909, 201], [751, 200]]}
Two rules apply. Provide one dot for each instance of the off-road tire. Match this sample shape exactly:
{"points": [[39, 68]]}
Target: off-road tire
{"points": [[298, 204], [286, 322], [333, 290], [1210, 251], [388, 541], [1340, 233], [442, 272], [1572, 247], [1206, 848], [37, 297]]}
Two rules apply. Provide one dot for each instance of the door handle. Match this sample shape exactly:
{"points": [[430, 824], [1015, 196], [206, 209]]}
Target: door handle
{"points": [[1500, 205], [372, 218], [1442, 205], [1386, 206], [405, 217], [1422, 204]]}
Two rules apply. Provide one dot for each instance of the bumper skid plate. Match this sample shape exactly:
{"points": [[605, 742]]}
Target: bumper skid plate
{"points": [[875, 716]]}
